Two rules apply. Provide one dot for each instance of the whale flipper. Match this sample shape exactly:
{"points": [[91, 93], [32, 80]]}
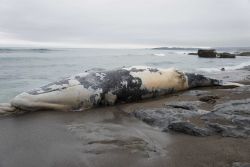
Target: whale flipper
{"points": [[6, 108]]}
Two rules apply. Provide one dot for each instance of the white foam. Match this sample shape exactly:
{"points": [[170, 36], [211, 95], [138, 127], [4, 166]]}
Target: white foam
{"points": [[227, 68], [159, 54], [209, 70], [137, 67]]}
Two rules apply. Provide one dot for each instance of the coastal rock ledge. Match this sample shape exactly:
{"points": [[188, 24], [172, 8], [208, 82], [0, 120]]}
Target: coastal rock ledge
{"points": [[229, 119]]}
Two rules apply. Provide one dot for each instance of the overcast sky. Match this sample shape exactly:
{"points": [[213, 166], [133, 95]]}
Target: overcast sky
{"points": [[124, 23]]}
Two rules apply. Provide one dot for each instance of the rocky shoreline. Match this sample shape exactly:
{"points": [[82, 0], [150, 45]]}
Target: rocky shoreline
{"points": [[228, 119]]}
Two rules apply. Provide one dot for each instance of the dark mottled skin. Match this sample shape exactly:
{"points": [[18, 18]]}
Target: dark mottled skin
{"points": [[47, 88], [196, 80], [137, 70], [153, 69], [112, 83]]}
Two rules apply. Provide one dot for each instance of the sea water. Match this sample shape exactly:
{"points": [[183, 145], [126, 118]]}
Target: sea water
{"points": [[22, 69]]}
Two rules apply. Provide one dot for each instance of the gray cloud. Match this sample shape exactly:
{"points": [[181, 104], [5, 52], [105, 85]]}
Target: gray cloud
{"points": [[130, 22]]}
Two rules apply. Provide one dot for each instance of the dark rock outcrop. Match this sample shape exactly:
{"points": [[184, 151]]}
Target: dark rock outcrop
{"points": [[192, 53], [211, 53], [244, 54], [189, 128], [207, 53], [186, 105], [225, 55], [240, 164], [230, 119], [175, 116]]}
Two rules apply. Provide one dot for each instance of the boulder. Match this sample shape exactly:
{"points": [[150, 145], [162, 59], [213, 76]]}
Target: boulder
{"points": [[225, 55], [192, 53], [244, 54], [207, 53], [222, 69]]}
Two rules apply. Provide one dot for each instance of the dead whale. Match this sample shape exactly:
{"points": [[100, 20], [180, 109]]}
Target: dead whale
{"points": [[96, 88]]}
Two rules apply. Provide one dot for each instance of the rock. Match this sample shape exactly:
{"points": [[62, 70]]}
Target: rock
{"points": [[163, 117], [234, 107], [175, 116], [209, 99], [211, 53], [207, 53], [241, 89], [222, 69], [192, 53], [189, 128], [225, 55], [229, 130], [195, 92], [240, 164], [244, 54], [229, 119], [186, 105]]}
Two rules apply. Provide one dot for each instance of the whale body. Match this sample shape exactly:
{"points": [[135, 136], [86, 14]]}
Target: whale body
{"points": [[96, 88]]}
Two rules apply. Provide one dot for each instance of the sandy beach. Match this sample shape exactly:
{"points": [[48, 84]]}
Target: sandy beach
{"points": [[112, 136]]}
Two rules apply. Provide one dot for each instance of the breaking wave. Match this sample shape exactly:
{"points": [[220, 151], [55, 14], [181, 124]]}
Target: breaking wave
{"points": [[159, 54], [227, 68]]}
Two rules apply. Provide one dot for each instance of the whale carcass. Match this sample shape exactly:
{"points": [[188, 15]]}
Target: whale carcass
{"points": [[96, 88]]}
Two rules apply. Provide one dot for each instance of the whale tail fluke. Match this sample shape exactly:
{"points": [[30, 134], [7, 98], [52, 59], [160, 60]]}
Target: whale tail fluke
{"points": [[198, 80], [231, 84]]}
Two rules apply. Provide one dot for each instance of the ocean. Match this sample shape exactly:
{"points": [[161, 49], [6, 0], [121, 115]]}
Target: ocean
{"points": [[22, 69]]}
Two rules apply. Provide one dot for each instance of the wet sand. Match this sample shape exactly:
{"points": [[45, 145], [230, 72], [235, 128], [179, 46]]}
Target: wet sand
{"points": [[110, 136]]}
